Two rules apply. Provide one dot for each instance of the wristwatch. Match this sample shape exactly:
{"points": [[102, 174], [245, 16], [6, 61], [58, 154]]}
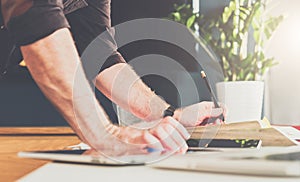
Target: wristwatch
{"points": [[169, 111]]}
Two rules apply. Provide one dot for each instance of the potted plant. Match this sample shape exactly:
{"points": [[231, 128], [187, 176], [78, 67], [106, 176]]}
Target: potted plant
{"points": [[237, 36]]}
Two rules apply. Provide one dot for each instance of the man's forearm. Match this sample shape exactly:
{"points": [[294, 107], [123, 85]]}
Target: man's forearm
{"points": [[123, 86], [55, 66]]}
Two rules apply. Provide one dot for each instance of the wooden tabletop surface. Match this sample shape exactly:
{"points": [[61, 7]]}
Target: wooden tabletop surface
{"points": [[14, 140]]}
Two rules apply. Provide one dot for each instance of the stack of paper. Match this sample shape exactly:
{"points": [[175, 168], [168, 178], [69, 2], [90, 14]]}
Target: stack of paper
{"points": [[269, 135]]}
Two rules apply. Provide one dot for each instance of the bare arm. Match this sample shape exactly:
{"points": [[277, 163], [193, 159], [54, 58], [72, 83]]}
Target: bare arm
{"points": [[122, 85], [53, 62], [54, 65]]}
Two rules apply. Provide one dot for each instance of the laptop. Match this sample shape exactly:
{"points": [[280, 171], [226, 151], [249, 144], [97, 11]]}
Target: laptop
{"points": [[267, 161]]}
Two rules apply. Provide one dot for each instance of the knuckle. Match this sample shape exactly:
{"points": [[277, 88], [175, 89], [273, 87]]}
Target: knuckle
{"points": [[169, 128]]}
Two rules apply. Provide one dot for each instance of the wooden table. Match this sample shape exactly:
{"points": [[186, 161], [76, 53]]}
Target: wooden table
{"points": [[14, 140]]}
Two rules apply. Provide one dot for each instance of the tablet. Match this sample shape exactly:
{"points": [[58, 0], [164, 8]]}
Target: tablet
{"points": [[223, 143], [93, 157]]}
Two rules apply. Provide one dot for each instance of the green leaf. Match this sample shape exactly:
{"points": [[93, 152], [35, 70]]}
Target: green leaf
{"points": [[249, 77], [228, 11], [224, 35], [191, 21], [271, 25], [247, 61], [235, 33], [268, 32], [256, 36], [226, 14], [245, 11], [243, 16], [241, 26], [179, 8], [255, 24], [177, 16]]}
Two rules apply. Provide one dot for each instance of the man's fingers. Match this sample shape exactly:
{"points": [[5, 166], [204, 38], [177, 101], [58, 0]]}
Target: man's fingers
{"points": [[183, 149], [176, 136], [224, 109], [218, 121], [179, 127], [165, 138], [215, 112], [171, 134], [152, 141]]}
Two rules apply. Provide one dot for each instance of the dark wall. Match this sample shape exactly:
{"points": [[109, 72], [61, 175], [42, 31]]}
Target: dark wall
{"points": [[124, 10], [22, 103]]}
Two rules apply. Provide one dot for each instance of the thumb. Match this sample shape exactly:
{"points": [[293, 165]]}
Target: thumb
{"points": [[215, 112]]}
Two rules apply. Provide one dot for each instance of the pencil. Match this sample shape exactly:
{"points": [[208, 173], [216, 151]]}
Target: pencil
{"points": [[212, 95], [213, 98]]}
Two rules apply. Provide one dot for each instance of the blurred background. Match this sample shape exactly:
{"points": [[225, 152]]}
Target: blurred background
{"points": [[283, 86], [22, 104]]}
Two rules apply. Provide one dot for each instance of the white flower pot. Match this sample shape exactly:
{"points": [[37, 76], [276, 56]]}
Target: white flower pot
{"points": [[243, 100]]}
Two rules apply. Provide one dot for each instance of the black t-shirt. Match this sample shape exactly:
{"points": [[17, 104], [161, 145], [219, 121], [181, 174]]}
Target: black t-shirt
{"points": [[98, 15], [73, 5]]}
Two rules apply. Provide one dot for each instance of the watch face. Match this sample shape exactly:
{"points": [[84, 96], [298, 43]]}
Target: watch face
{"points": [[169, 111]]}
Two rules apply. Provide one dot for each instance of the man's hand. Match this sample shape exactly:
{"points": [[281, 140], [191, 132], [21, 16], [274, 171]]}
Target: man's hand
{"points": [[166, 135], [194, 115]]}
